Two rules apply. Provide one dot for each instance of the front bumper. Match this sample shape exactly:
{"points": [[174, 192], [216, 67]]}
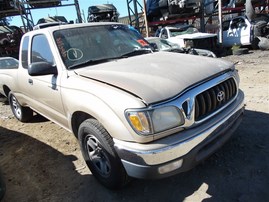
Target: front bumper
{"points": [[172, 155]]}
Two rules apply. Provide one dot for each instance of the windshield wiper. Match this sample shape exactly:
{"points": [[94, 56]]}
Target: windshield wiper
{"points": [[137, 52], [89, 62]]}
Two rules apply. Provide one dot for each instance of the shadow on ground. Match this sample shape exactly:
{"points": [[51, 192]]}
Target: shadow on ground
{"points": [[239, 171]]}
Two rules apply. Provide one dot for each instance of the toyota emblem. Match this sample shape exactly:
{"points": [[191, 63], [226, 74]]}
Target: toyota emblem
{"points": [[220, 96]]}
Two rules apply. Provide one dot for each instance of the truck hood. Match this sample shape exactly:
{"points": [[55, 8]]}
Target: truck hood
{"points": [[198, 35], [156, 76]]}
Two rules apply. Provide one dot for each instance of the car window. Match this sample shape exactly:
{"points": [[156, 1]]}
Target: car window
{"points": [[39, 54], [181, 31], [237, 23], [8, 63], [226, 25], [24, 53]]}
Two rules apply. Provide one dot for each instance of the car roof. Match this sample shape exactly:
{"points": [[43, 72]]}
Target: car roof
{"points": [[5, 58], [58, 25]]}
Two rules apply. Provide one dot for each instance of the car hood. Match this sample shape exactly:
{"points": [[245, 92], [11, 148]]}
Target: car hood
{"points": [[156, 76], [198, 35]]}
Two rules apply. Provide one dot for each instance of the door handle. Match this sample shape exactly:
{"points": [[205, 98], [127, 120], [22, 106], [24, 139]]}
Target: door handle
{"points": [[30, 81]]}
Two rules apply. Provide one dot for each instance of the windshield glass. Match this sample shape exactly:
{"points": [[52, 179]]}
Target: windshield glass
{"points": [[82, 45], [181, 31]]}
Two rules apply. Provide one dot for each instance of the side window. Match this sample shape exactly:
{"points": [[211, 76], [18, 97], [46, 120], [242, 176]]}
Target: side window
{"points": [[225, 25], [41, 51], [234, 24], [164, 34], [24, 53]]}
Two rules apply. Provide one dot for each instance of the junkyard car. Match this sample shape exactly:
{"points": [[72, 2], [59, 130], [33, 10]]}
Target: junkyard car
{"points": [[10, 38], [103, 13], [165, 45], [187, 36], [241, 31], [135, 112]]}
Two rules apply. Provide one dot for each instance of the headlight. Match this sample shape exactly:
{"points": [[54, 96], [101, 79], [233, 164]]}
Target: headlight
{"points": [[188, 43], [156, 120]]}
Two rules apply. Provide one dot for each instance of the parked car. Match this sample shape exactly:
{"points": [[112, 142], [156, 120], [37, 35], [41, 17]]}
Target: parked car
{"points": [[10, 37], [103, 13], [187, 36], [241, 31], [159, 9], [8, 63], [165, 45], [43, 3], [52, 19], [136, 113]]}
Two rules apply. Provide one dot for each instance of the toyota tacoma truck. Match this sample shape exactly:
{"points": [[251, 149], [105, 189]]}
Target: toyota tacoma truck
{"points": [[136, 113]]}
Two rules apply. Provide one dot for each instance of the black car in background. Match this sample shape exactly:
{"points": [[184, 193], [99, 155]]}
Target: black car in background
{"points": [[10, 38]]}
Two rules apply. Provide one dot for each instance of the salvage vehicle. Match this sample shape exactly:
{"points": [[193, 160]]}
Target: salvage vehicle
{"points": [[103, 13], [43, 3], [241, 31], [187, 36], [165, 45], [136, 113], [163, 9], [10, 37]]}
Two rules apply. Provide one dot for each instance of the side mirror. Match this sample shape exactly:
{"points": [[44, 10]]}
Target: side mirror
{"points": [[42, 68]]}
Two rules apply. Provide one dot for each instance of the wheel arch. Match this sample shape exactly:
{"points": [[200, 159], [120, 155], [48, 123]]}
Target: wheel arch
{"points": [[77, 118], [6, 90]]}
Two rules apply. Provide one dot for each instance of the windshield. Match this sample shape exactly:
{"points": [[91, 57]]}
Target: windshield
{"points": [[181, 31], [84, 45], [162, 44]]}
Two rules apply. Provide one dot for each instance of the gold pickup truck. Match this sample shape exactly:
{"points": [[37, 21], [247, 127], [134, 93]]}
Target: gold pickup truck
{"points": [[136, 113]]}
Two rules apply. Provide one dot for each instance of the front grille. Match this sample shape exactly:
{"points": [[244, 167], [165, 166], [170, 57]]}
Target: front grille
{"points": [[205, 43], [214, 98]]}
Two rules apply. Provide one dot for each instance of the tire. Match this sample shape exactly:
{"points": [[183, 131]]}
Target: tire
{"points": [[21, 113], [255, 43], [97, 148], [240, 51]]}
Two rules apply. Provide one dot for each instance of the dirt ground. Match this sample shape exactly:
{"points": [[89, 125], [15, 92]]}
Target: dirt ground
{"points": [[42, 162]]}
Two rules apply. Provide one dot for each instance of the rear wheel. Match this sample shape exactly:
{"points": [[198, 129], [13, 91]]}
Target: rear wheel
{"points": [[100, 156], [23, 114]]}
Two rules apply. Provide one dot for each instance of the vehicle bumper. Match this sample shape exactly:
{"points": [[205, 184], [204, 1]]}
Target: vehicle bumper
{"points": [[170, 155]]}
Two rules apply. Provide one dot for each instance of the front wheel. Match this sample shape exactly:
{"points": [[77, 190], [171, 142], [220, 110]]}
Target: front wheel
{"points": [[21, 113], [100, 156]]}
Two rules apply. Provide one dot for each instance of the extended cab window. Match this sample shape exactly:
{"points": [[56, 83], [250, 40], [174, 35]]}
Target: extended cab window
{"points": [[24, 53], [41, 51]]}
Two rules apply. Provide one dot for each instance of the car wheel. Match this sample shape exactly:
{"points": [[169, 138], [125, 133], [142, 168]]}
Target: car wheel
{"points": [[100, 156], [240, 51], [21, 113]]}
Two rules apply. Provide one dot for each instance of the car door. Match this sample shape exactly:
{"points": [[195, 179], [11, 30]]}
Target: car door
{"points": [[43, 93], [245, 31], [238, 32]]}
